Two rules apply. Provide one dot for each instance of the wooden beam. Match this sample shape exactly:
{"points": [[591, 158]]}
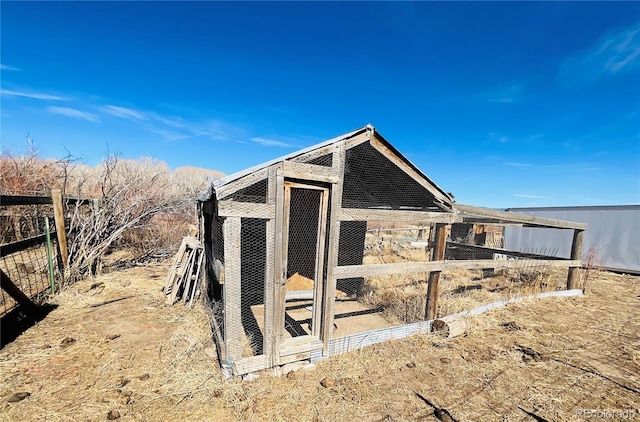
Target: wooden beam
{"points": [[58, 215], [470, 211], [420, 179], [357, 140], [6, 200], [269, 344], [369, 270], [248, 180], [245, 209], [232, 288], [279, 269], [416, 217], [311, 155], [21, 245], [576, 253], [433, 289], [309, 176], [304, 168], [328, 306], [7, 285]]}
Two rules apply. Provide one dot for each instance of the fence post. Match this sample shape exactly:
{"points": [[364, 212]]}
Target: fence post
{"points": [[431, 311], [58, 214], [576, 253]]}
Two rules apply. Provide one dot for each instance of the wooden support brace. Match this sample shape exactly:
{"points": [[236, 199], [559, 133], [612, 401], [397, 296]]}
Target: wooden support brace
{"points": [[58, 215], [431, 311], [576, 252], [17, 295]]}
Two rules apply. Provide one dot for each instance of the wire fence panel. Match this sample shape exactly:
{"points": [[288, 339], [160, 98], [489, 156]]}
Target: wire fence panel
{"points": [[28, 268]]}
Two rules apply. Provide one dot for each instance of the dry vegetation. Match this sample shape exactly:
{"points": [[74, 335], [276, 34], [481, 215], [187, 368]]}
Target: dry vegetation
{"points": [[140, 205], [96, 355]]}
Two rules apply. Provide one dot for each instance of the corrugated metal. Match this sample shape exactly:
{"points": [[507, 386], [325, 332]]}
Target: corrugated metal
{"points": [[613, 234]]}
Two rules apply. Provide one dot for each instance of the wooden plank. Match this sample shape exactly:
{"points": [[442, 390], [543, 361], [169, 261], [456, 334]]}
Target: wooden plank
{"points": [[576, 253], [21, 245], [409, 171], [312, 155], [7, 285], [58, 215], [433, 289], [328, 306], [7, 200], [308, 176], [177, 260], [245, 209], [370, 270], [470, 211], [354, 141], [312, 169], [269, 291], [405, 216], [279, 277], [196, 285], [319, 270], [232, 288], [248, 180], [297, 349]]}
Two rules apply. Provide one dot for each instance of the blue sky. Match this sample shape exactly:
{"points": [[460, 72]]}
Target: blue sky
{"points": [[504, 104]]}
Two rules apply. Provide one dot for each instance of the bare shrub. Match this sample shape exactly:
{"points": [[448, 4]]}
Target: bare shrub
{"points": [[129, 201]]}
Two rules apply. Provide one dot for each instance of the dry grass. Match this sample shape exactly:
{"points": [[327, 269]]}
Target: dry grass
{"points": [[587, 357]]}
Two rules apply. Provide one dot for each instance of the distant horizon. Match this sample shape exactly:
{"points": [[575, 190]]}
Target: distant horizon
{"points": [[506, 104]]}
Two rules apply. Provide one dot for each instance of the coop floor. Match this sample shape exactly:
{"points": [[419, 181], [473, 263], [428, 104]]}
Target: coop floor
{"points": [[351, 317]]}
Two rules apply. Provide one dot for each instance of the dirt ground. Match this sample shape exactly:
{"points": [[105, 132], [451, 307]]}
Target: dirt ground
{"points": [[117, 352]]}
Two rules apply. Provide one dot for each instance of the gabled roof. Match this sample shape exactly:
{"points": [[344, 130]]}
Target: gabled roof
{"points": [[239, 175]]}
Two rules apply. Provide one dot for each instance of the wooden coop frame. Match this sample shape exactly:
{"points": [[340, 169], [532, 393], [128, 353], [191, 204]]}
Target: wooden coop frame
{"points": [[230, 204]]}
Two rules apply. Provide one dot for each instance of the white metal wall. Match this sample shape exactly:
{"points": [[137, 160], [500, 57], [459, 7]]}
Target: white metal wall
{"points": [[613, 233]]}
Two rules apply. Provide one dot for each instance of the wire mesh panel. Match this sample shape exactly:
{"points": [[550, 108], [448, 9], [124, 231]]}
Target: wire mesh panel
{"points": [[253, 267], [368, 303], [323, 160], [29, 271], [256, 193], [371, 180], [214, 250], [306, 215]]}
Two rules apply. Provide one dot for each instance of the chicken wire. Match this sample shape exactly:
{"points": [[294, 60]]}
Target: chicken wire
{"points": [[371, 180]]}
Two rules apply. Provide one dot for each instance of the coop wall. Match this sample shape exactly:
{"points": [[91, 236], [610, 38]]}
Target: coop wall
{"points": [[389, 255]]}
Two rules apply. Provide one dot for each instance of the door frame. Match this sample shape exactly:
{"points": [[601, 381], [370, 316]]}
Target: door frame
{"points": [[312, 341]]}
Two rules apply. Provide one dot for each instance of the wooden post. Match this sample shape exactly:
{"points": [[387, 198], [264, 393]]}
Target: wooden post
{"points": [[431, 311], [232, 289], [328, 306], [58, 214], [7, 285], [576, 253]]}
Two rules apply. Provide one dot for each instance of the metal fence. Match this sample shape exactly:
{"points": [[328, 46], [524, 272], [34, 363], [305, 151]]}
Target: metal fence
{"points": [[26, 258]]}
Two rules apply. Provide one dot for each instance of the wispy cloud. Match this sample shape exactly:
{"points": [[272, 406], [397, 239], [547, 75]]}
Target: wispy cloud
{"points": [[5, 67], [528, 195], [516, 164], [32, 94], [271, 142], [506, 95], [72, 112], [124, 113], [168, 135], [614, 53]]}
